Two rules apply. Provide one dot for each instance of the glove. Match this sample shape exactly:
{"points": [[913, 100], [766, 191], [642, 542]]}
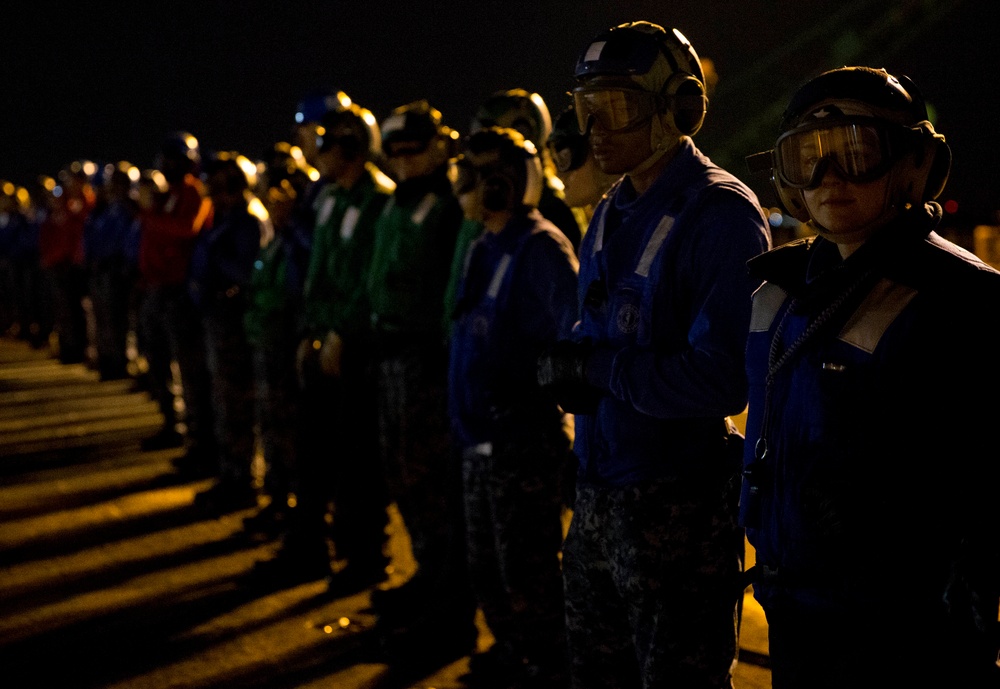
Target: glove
{"points": [[330, 354], [561, 374], [307, 360]]}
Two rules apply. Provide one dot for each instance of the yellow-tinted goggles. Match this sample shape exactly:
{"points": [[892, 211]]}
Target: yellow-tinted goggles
{"points": [[860, 150], [613, 108]]}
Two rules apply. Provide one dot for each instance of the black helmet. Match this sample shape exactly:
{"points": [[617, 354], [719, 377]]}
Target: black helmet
{"points": [[420, 125], [417, 121], [122, 176], [867, 123], [643, 57], [181, 145], [505, 163], [285, 161], [179, 155], [83, 171], [234, 172]]}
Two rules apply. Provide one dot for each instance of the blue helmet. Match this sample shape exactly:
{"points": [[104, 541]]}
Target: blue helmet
{"points": [[316, 104]]}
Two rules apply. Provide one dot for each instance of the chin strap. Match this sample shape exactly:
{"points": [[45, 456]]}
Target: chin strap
{"points": [[648, 162], [661, 143]]}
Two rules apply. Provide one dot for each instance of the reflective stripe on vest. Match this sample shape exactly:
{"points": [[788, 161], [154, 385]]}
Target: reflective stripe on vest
{"points": [[653, 245], [498, 276], [423, 208], [863, 330], [656, 240], [767, 299], [876, 313]]}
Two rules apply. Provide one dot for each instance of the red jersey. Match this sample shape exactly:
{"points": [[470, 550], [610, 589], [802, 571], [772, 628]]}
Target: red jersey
{"points": [[169, 231]]}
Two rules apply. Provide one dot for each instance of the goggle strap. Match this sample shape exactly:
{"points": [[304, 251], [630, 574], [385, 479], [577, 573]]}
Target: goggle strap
{"points": [[758, 163]]}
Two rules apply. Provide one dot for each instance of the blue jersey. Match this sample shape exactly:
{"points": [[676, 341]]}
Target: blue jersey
{"points": [[869, 461], [665, 297], [223, 258], [111, 233], [517, 297]]}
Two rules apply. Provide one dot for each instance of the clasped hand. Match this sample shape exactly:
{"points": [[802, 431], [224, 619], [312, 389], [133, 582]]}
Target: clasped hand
{"points": [[562, 374]]}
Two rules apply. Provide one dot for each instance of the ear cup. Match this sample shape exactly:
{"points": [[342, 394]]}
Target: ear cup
{"points": [[937, 176], [534, 182], [931, 163], [790, 199], [498, 193], [686, 103]]}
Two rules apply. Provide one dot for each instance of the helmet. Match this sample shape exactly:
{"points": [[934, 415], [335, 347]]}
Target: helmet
{"points": [[518, 109], [179, 155], [353, 128], [417, 122], [181, 145], [505, 163], [316, 104], [153, 179], [235, 173], [287, 162], [122, 176], [82, 171], [569, 148], [867, 123], [632, 71]]}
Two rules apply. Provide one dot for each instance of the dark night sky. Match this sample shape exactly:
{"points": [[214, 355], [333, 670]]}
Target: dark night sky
{"points": [[106, 81]]}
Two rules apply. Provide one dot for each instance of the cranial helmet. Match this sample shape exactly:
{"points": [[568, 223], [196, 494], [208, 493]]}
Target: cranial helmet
{"points": [[517, 109], [120, 175], [316, 104], [568, 146], [866, 123], [287, 162], [179, 154], [417, 121], [234, 171], [505, 163], [181, 145], [645, 57], [354, 129]]}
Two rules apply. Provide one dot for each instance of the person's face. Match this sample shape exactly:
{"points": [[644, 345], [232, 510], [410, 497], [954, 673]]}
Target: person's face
{"points": [[411, 159], [618, 151], [841, 206], [580, 186], [280, 200], [304, 136], [471, 201], [331, 163], [467, 184], [217, 185]]}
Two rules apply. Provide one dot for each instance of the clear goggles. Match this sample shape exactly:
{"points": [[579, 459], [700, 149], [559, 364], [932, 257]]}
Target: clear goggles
{"points": [[613, 108], [861, 151]]}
